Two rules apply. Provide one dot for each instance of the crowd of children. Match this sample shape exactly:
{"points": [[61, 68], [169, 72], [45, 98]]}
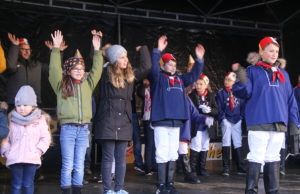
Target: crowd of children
{"points": [[179, 114]]}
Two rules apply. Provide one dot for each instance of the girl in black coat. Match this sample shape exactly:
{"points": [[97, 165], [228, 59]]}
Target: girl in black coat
{"points": [[114, 117]]}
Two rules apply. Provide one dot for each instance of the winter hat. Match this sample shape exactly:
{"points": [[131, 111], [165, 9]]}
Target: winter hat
{"points": [[205, 79], [113, 53], [267, 40], [23, 41], [25, 96], [165, 58], [72, 62], [232, 76], [191, 62]]}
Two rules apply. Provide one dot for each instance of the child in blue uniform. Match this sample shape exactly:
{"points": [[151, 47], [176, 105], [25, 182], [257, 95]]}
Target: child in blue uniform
{"points": [[270, 106], [168, 111], [206, 104], [231, 110]]}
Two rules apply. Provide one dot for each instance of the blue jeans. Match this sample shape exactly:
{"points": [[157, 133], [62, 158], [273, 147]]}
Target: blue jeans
{"points": [[73, 143], [150, 162], [22, 176], [136, 137]]}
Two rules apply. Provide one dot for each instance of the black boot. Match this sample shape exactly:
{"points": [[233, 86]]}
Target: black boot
{"points": [[170, 183], [76, 190], [238, 159], [185, 163], [162, 174], [202, 162], [282, 162], [193, 163], [271, 177], [252, 178], [66, 190], [179, 164], [226, 160]]}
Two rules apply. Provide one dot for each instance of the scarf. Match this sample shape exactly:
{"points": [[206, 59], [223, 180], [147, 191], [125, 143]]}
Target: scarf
{"points": [[231, 98], [202, 97], [274, 71], [21, 120], [173, 79], [298, 85]]}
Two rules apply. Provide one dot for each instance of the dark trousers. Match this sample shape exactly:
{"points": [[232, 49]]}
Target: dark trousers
{"points": [[22, 176], [88, 154], [113, 149], [136, 138], [150, 162]]}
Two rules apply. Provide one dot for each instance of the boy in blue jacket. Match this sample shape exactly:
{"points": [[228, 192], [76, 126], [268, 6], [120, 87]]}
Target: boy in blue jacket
{"points": [[270, 106], [231, 111], [169, 111]]}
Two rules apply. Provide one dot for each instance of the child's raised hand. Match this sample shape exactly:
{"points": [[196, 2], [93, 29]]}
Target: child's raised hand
{"points": [[57, 38], [96, 33], [235, 66], [199, 51], [96, 42], [63, 46], [162, 43], [13, 39]]}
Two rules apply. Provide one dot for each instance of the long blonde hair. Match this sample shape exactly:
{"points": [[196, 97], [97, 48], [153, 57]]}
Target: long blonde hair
{"points": [[118, 76]]}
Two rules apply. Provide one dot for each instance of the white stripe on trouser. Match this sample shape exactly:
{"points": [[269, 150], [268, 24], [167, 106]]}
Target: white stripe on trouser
{"points": [[166, 141], [183, 148], [200, 142], [231, 130], [264, 146]]}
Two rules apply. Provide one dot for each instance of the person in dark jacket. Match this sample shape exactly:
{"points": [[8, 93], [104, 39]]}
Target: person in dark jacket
{"points": [[270, 105], [168, 109], [113, 121], [22, 69], [231, 113], [206, 104], [3, 121]]}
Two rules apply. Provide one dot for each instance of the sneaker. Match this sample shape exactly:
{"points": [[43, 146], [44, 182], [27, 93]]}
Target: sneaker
{"points": [[171, 189], [122, 192], [282, 173], [100, 179], [162, 189], [148, 173], [225, 173], [88, 171], [109, 192], [139, 168]]}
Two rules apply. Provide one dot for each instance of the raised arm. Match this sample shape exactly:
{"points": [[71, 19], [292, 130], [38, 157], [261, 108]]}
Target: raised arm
{"points": [[155, 57], [191, 77], [145, 63], [243, 87], [55, 70], [13, 53]]}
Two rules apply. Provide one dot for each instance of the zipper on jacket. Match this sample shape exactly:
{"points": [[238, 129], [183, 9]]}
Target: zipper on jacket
{"points": [[79, 103]]}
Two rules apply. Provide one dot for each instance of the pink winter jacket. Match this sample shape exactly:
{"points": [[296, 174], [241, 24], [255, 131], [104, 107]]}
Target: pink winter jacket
{"points": [[26, 144]]}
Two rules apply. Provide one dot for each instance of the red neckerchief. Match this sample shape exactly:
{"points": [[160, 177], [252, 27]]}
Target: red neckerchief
{"points": [[203, 95], [77, 81], [298, 85], [274, 70], [231, 98], [173, 79]]}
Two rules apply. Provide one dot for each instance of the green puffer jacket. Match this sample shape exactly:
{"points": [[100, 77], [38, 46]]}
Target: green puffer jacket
{"points": [[78, 108]]}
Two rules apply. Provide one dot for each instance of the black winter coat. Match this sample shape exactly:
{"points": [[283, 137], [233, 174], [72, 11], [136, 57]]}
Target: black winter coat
{"points": [[211, 102], [113, 120]]}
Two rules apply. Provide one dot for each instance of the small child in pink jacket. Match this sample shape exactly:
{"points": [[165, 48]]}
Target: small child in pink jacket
{"points": [[29, 137]]}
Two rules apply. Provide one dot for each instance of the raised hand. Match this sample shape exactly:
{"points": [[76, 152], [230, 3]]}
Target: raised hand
{"points": [[235, 66], [57, 38], [96, 42], [63, 46], [199, 51], [138, 48], [49, 44], [162, 43], [13, 39], [96, 33]]}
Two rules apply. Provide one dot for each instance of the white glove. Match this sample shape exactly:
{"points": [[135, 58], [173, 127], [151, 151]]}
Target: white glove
{"points": [[209, 121], [205, 108]]}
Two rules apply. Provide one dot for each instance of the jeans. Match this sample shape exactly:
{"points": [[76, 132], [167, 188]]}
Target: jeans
{"points": [[136, 137], [73, 142], [22, 176], [88, 155], [149, 146], [113, 149]]}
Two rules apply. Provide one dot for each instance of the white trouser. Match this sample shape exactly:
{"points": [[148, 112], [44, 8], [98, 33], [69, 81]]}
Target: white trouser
{"points": [[231, 130], [200, 142], [183, 148], [166, 141], [264, 146], [283, 143]]}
